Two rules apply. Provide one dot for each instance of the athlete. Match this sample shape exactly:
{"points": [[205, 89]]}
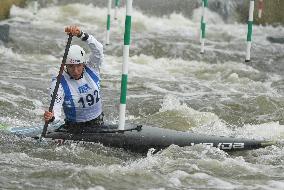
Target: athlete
{"points": [[79, 89]]}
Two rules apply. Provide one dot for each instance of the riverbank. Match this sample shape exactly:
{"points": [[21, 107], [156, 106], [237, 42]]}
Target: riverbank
{"points": [[7, 4], [272, 12]]}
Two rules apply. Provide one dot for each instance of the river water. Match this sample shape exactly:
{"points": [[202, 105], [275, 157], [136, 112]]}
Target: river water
{"points": [[171, 85]]}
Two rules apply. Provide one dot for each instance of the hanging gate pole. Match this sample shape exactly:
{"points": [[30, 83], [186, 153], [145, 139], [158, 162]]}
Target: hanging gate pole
{"points": [[108, 22], [116, 9], [35, 7], [249, 34], [260, 8], [203, 24]]}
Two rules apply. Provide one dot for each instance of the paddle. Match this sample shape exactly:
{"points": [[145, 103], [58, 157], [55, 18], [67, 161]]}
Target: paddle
{"points": [[58, 78]]}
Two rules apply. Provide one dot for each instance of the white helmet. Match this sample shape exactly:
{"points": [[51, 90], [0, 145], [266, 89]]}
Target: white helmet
{"points": [[76, 55]]}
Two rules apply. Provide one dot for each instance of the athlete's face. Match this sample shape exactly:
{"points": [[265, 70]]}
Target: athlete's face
{"points": [[75, 70]]}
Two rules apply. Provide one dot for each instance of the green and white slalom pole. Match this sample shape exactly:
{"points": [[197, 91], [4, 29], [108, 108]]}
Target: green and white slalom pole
{"points": [[116, 9], [35, 7], [127, 32], [249, 34], [108, 22], [203, 24]]}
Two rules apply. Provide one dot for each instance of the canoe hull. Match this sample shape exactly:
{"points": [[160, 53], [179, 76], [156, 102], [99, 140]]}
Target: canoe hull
{"points": [[142, 139]]}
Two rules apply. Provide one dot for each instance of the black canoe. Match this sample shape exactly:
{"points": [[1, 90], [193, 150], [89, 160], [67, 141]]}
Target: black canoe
{"points": [[142, 138]]}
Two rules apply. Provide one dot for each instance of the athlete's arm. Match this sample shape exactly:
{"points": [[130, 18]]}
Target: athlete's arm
{"points": [[57, 108], [97, 55]]}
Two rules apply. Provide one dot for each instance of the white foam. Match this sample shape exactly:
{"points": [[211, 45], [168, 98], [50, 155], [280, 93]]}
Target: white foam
{"points": [[212, 181], [193, 117], [220, 78], [176, 177], [273, 184], [268, 131], [212, 18], [98, 187], [7, 53], [82, 15], [271, 130]]}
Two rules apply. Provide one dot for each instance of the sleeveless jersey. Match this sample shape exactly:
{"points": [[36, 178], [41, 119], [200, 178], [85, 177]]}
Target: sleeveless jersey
{"points": [[81, 100]]}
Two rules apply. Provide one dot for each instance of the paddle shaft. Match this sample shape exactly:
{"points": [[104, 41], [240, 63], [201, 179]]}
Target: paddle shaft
{"points": [[58, 78]]}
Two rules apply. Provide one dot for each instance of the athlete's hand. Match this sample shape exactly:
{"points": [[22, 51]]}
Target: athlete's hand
{"points": [[73, 30], [48, 116]]}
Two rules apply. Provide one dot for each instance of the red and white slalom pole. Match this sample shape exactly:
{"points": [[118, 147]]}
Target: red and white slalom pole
{"points": [[260, 8]]}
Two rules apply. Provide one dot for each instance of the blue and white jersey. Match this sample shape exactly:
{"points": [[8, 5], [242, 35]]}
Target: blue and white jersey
{"points": [[80, 99]]}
